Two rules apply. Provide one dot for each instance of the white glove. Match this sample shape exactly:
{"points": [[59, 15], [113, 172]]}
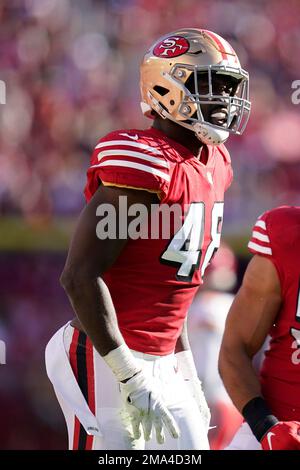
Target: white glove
{"points": [[145, 407], [143, 403], [188, 369]]}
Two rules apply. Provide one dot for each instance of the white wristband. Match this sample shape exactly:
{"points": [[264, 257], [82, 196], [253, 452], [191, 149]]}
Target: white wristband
{"points": [[122, 362], [186, 364]]}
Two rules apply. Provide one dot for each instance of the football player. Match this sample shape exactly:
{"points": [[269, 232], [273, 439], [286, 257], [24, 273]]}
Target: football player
{"points": [[123, 367], [268, 303]]}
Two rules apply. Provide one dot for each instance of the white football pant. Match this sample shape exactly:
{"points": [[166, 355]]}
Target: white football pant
{"points": [[89, 396]]}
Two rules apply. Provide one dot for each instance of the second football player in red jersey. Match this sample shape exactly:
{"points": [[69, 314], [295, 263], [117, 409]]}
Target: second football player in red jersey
{"points": [[114, 368], [268, 303]]}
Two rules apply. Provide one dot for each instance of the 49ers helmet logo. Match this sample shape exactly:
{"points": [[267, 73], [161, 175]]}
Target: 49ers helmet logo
{"points": [[172, 46]]}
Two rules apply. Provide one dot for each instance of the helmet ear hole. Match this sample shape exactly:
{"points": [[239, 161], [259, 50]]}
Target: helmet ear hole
{"points": [[162, 91]]}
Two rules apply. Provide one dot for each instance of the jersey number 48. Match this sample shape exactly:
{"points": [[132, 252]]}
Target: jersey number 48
{"points": [[186, 247]]}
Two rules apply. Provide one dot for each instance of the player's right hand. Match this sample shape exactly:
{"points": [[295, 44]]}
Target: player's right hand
{"points": [[146, 408], [284, 435]]}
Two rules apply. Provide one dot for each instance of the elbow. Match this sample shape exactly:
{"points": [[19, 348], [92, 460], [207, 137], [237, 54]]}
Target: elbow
{"points": [[68, 280], [74, 280], [65, 279]]}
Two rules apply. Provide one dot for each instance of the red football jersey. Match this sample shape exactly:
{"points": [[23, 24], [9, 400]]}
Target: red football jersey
{"points": [[153, 281], [276, 235]]}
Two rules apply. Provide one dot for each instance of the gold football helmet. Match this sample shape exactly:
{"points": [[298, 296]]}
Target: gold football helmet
{"points": [[181, 77]]}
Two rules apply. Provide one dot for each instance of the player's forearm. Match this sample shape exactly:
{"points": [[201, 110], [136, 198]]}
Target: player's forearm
{"points": [[92, 303], [238, 375]]}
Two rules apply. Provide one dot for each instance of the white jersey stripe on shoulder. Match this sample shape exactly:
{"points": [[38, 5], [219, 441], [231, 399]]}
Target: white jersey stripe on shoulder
{"points": [[261, 224], [137, 166], [111, 143], [260, 249], [129, 153], [260, 236]]}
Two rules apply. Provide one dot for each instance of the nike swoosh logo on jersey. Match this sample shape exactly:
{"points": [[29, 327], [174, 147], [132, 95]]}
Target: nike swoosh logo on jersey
{"points": [[269, 437], [133, 137]]}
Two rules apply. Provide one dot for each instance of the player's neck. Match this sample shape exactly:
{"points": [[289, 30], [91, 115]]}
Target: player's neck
{"points": [[179, 134]]}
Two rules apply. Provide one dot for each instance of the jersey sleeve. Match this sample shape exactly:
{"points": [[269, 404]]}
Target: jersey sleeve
{"points": [[260, 242], [125, 160], [267, 240], [276, 236]]}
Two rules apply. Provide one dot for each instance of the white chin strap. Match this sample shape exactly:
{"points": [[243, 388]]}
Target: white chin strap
{"points": [[206, 133], [209, 135]]}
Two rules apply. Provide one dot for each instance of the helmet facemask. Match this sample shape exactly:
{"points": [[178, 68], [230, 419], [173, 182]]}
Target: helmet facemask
{"points": [[200, 96]]}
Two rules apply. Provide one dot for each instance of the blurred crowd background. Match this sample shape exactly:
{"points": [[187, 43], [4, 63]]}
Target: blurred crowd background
{"points": [[71, 74]]}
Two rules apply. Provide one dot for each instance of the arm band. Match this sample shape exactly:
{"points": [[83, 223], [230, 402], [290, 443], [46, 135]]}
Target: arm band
{"points": [[259, 417], [122, 362]]}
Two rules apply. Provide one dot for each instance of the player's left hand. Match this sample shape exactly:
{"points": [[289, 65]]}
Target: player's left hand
{"points": [[284, 435]]}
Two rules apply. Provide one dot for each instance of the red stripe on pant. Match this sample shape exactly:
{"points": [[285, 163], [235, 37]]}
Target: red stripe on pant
{"points": [[82, 363], [91, 385]]}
